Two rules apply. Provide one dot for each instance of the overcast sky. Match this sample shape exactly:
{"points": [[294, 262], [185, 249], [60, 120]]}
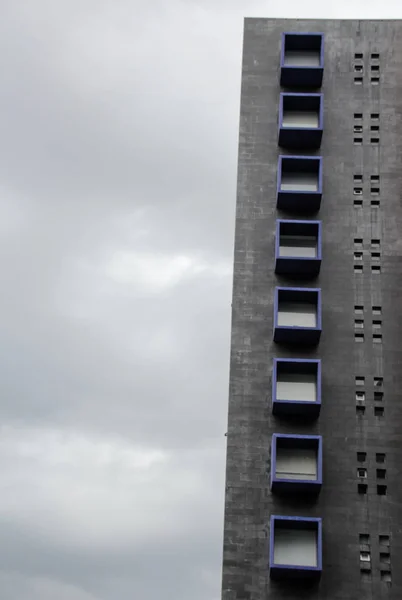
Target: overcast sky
{"points": [[119, 125]]}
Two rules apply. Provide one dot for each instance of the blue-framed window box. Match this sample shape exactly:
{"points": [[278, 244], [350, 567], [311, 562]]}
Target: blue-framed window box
{"points": [[296, 463], [299, 184], [295, 548], [302, 60], [297, 315], [296, 387], [301, 120], [298, 248]]}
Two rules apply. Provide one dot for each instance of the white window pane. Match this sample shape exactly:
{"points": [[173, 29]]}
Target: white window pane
{"points": [[301, 118], [297, 314], [302, 58], [296, 463], [307, 182], [296, 387], [295, 547], [298, 245]]}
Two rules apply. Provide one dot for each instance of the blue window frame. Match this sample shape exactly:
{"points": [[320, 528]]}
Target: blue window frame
{"points": [[295, 547], [298, 248], [296, 387], [302, 60], [296, 463], [299, 183], [297, 315], [301, 120]]}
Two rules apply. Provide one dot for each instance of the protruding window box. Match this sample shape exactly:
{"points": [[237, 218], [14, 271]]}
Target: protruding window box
{"points": [[302, 60], [296, 463], [296, 387], [295, 546], [298, 248], [299, 186], [297, 316], [300, 121]]}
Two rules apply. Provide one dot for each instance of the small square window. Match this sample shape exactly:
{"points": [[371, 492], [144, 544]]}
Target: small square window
{"points": [[375, 56], [381, 473], [358, 68], [378, 396], [374, 191], [359, 323], [298, 247], [359, 337], [378, 411], [382, 490], [365, 556], [299, 182], [376, 269], [358, 309], [358, 268], [358, 141], [375, 128], [358, 116], [364, 538], [361, 456], [358, 255], [375, 244], [384, 540], [375, 178], [358, 242], [358, 129], [358, 55], [375, 255], [375, 203], [362, 488], [374, 140], [375, 68], [375, 80], [378, 381], [360, 397], [360, 380], [360, 410], [358, 178], [357, 203], [386, 576], [377, 312], [380, 457], [377, 325], [385, 557], [375, 116], [357, 191], [296, 387], [362, 472], [377, 338], [297, 315]]}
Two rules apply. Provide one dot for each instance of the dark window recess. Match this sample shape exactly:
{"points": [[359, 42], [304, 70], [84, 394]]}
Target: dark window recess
{"points": [[375, 68], [358, 242], [358, 55], [378, 396], [384, 540], [360, 397], [375, 80], [375, 56], [362, 472], [358, 141], [375, 269], [375, 116], [365, 556], [359, 337], [359, 323], [357, 191], [358, 203], [374, 191], [360, 410], [375, 128], [386, 576], [380, 457], [358, 178], [362, 488], [358, 116], [377, 325], [358, 268], [374, 178], [375, 255], [361, 456], [378, 381], [375, 244], [358, 68], [359, 380], [377, 312], [385, 557], [358, 255], [374, 140], [378, 411], [381, 473], [382, 490], [364, 538], [377, 338], [375, 203], [358, 129], [359, 309]]}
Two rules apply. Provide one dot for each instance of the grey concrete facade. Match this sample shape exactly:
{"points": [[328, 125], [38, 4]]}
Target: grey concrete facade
{"points": [[345, 513]]}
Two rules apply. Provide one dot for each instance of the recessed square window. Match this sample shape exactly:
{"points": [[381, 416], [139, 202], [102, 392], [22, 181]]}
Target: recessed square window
{"points": [[360, 397], [359, 310], [377, 311], [358, 255], [358, 80], [358, 178], [386, 576], [358, 141], [302, 59], [374, 191], [364, 538], [299, 185], [358, 129], [378, 411], [358, 55], [375, 128], [362, 472], [377, 325], [295, 547], [376, 269], [375, 244], [375, 256], [362, 488], [357, 203], [358, 242], [380, 457], [296, 387], [375, 178], [358, 116], [378, 381], [357, 191], [385, 557], [375, 203], [375, 116], [375, 56], [384, 540], [297, 315], [375, 68], [359, 323], [381, 473], [358, 268], [365, 556], [374, 140], [300, 121], [378, 396], [375, 80], [360, 410], [382, 490], [298, 247], [377, 338], [361, 456], [296, 463], [359, 337], [359, 380], [358, 68]]}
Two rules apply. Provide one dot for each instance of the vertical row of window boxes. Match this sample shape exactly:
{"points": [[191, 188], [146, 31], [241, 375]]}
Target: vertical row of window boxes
{"points": [[296, 460]]}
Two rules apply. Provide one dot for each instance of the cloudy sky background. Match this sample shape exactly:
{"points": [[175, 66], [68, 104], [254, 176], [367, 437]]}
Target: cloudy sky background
{"points": [[119, 124]]}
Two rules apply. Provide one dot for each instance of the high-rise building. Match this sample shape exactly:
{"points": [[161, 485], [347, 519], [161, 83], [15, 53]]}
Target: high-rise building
{"points": [[314, 443]]}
